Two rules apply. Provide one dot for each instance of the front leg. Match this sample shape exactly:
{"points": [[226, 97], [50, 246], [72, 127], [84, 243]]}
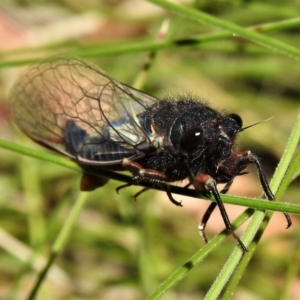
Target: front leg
{"points": [[209, 211], [205, 183], [236, 164]]}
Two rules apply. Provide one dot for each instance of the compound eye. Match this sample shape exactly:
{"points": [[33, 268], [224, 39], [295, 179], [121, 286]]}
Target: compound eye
{"points": [[237, 119], [192, 138]]}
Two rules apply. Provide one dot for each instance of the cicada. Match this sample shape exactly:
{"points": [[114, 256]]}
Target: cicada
{"points": [[75, 109]]}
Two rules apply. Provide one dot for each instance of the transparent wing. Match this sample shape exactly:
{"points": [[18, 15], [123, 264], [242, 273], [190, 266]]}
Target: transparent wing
{"points": [[74, 108]]}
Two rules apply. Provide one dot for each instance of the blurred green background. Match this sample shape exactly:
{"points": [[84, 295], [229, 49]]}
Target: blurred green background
{"points": [[121, 248]]}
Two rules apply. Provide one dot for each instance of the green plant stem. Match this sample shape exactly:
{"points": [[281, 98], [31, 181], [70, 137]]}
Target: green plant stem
{"points": [[286, 159], [60, 241], [182, 271], [235, 30], [134, 47], [239, 265], [258, 204], [33, 197], [293, 269]]}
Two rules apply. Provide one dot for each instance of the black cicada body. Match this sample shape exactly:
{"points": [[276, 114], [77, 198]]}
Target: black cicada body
{"points": [[74, 108]]}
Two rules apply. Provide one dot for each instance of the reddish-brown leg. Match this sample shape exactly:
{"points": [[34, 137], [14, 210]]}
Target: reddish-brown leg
{"points": [[234, 166], [147, 174], [204, 182], [208, 213]]}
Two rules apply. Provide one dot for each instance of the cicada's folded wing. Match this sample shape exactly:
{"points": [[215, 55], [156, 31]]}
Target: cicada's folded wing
{"points": [[74, 108]]}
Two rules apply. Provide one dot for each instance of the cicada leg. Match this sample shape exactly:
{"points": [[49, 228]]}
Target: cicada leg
{"points": [[129, 184], [208, 213], [204, 182], [147, 174], [234, 165]]}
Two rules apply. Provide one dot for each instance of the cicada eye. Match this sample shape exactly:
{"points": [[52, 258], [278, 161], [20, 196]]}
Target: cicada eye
{"points": [[192, 138], [237, 119]]}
